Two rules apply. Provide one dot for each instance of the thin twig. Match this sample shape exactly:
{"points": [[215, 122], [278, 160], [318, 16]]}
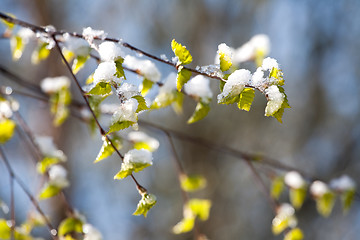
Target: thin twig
{"points": [[11, 172]]}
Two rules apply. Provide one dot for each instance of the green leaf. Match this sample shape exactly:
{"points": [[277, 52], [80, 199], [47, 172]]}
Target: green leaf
{"points": [[107, 150], [192, 183], [181, 52], [142, 103], [119, 68], [201, 111], [101, 89], [17, 47], [5, 230], [229, 99], [8, 24], [185, 225], [79, 63], [147, 201], [40, 53], [221, 85], [294, 234], [70, 225], [347, 198], [178, 103], [297, 197], [225, 62], [44, 165], [128, 168], [183, 77], [58, 104], [246, 99], [117, 126], [277, 187], [49, 191], [200, 208], [146, 86], [285, 218], [7, 128], [325, 203]]}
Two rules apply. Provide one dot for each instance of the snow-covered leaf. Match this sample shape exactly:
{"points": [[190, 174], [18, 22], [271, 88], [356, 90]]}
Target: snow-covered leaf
{"points": [[117, 126], [79, 63], [40, 53], [146, 86], [128, 168], [44, 165], [107, 149], [147, 201], [297, 197], [70, 225], [119, 68], [141, 103], [325, 203], [17, 47], [101, 89]]}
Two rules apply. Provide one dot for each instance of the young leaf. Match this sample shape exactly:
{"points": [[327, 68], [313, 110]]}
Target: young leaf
{"points": [[325, 203], [225, 62], [9, 25], [70, 225], [107, 150], [277, 187], [17, 47], [200, 208], [101, 89], [128, 168], [141, 103], [294, 234], [347, 198], [119, 68], [192, 183], [181, 52], [117, 126], [183, 77], [5, 230], [147, 201], [284, 218], [278, 115], [201, 110], [59, 102], [230, 99], [79, 63], [297, 197], [178, 103], [7, 128], [44, 165], [185, 225], [146, 86], [246, 99], [49, 191], [40, 53]]}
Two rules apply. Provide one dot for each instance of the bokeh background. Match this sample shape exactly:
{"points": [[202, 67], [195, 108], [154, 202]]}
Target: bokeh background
{"points": [[317, 45]]}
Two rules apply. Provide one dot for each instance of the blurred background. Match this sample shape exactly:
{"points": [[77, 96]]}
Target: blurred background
{"points": [[317, 46]]}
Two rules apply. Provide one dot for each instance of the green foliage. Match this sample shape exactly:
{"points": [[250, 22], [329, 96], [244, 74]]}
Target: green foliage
{"points": [[246, 99], [183, 77], [185, 225], [70, 225], [58, 105], [165, 99], [230, 99], [49, 191], [40, 53], [277, 187], [101, 89], [119, 68], [201, 111], [17, 47], [181, 52], [347, 198], [297, 197], [192, 183], [294, 234], [146, 86], [8, 25], [141, 103], [128, 168], [107, 150], [200, 208], [79, 63], [5, 230], [225, 62], [147, 201], [44, 165], [7, 128], [325, 203], [117, 126]]}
